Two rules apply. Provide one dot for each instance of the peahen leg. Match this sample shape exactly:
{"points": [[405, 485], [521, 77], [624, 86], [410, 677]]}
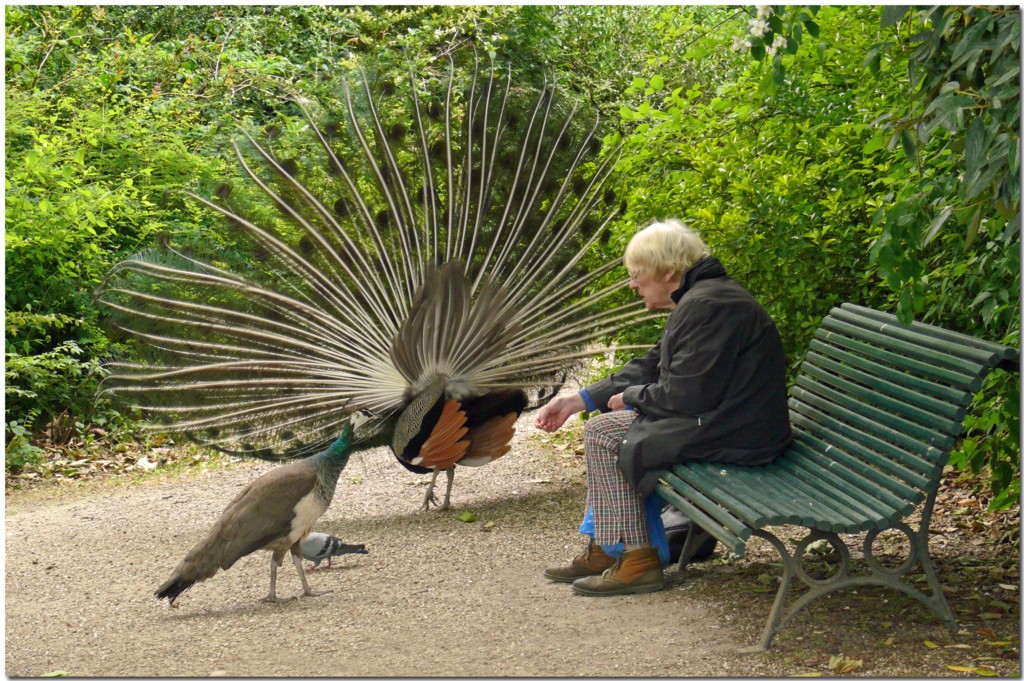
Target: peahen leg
{"points": [[297, 561], [429, 498], [448, 490], [272, 596]]}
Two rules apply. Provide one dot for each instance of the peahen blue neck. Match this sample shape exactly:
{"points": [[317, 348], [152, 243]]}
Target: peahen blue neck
{"points": [[330, 462]]}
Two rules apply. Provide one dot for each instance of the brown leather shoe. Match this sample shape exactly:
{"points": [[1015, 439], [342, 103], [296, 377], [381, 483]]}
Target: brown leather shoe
{"points": [[635, 572], [593, 561]]}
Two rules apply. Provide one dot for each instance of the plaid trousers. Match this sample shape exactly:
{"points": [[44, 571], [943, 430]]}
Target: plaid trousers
{"points": [[618, 510]]}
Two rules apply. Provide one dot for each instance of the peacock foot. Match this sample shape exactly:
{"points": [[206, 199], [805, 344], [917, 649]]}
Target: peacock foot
{"points": [[271, 598]]}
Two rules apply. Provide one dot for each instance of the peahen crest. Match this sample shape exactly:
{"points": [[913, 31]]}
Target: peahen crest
{"points": [[433, 255]]}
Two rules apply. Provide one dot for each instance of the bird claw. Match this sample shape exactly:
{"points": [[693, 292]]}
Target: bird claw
{"points": [[316, 593], [428, 499], [275, 599]]}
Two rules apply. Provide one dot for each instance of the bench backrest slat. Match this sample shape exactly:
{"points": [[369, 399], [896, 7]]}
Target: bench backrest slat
{"points": [[928, 407], [933, 357], [877, 397], [867, 418], [954, 339], [957, 379], [909, 468], [871, 365]]}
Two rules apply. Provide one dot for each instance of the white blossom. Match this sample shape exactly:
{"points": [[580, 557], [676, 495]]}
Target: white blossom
{"points": [[758, 27], [764, 11], [779, 42], [771, 49], [740, 44]]}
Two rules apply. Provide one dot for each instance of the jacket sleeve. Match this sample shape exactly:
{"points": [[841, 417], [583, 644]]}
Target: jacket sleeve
{"points": [[703, 345], [636, 372]]}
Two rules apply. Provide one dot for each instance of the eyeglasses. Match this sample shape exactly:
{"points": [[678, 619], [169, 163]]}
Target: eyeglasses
{"points": [[634, 276]]}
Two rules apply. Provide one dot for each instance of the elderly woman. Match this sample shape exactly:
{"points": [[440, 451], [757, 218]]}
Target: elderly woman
{"points": [[712, 389]]}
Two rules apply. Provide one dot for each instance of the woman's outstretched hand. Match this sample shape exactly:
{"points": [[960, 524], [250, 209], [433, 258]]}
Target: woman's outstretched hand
{"points": [[555, 413]]}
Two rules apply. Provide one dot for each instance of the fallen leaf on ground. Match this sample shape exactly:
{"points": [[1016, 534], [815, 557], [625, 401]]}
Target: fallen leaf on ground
{"points": [[844, 665]]}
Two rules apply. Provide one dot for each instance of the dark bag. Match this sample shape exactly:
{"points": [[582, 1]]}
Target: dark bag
{"points": [[677, 526]]}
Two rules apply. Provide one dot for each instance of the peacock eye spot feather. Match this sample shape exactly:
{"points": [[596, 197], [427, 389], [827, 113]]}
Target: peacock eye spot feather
{"points": [[305, 245], [579, 186], [222, 190], [290, 166], [335, 164], [623, 206], [332, 129], [382, 219], [434, 110], [609, 196], [272, 131], [387, 88], [341, 208], [595, 145], [397, 132]]}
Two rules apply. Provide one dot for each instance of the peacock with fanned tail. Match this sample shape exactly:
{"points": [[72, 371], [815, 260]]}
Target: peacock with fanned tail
{"points": [[430, 272]]}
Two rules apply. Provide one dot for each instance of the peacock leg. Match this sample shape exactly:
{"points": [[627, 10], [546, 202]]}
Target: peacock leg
{"points": [[297, 561], [429, 498], [272, 596], [448, 490]]}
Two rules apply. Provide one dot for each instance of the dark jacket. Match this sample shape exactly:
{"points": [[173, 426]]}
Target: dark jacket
{"points": [[712, 389]]}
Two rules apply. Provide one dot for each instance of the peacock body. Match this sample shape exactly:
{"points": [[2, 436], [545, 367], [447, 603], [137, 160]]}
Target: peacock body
{"points": [[429, 270]]}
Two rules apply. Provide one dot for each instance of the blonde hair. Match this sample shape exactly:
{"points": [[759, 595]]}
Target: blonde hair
{"points": [[663, 247]]}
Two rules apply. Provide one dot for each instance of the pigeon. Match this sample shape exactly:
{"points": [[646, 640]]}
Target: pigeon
{"points": [[317, 546]]}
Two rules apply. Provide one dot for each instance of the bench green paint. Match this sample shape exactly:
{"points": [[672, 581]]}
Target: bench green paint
{"points": [[876, 409]]}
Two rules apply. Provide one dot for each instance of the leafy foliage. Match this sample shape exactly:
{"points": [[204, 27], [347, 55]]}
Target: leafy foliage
{"points": [[826, 153]]}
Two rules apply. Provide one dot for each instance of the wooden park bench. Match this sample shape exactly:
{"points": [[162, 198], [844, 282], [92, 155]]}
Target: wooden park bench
{"points": [[876, 409]]}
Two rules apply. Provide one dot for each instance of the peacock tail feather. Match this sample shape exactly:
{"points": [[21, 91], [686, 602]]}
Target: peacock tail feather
{"points": [[411, 265]]}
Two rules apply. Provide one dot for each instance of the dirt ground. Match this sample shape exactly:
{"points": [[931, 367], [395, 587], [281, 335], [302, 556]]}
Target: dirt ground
{"points": [[439, 596]]}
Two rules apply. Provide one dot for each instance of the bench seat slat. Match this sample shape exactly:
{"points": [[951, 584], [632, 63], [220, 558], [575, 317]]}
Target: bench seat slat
{"points": [[735, 544], [911, 468], [878, 399], [940, 391], [885, 491], [750, 509], [959, 365], [860, 516], [929, 405], [771, 488], [775, 489], [954, 378], [880, 515], [708, 506], [824, 512]]}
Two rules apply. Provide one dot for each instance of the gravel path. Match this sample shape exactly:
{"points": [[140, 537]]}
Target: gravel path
{"points": [[435, 596]]}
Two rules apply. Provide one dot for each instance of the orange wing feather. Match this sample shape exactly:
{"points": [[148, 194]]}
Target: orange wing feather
{"points": [[445, 445], [490, 440]]}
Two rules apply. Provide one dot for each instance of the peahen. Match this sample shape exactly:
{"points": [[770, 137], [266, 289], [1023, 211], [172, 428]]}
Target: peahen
{"points": [[275, 512], [435, 269]]}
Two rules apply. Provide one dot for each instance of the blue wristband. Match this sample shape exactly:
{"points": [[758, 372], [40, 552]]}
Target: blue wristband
{"points": [[588, 401]]}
